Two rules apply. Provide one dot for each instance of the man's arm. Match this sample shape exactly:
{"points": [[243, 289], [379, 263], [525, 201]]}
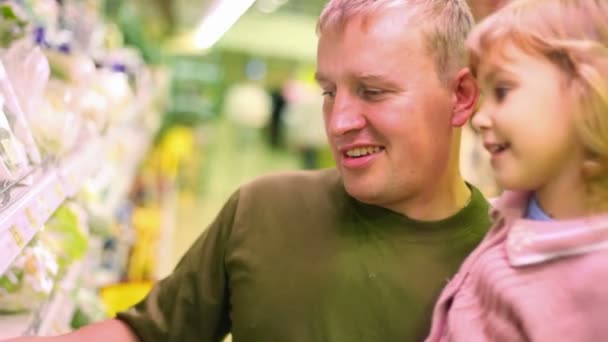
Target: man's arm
{"points": [[110, 330], [189, 305]]}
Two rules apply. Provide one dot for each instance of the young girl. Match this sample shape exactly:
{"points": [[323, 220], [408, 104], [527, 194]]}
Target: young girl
{"points": [[541, 274]]}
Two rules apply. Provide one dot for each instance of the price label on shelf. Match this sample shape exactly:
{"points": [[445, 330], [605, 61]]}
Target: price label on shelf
{"points": [[17, 236], [58, 190], [23, 218], [29, 214], [41, 204]]}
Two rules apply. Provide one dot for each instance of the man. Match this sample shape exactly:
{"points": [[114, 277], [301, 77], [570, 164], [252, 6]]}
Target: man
{"points": [[354, 254]]}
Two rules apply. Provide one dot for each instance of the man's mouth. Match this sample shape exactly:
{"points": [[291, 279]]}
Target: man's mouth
{"points": [[359, 152]]}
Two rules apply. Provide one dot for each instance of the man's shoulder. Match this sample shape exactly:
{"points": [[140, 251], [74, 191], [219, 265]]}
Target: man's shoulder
{"points": [[292, 188], [303, 194]]}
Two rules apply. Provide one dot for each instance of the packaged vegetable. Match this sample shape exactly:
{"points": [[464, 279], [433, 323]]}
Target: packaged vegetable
{"points": [[67, 234], [29, 281]]}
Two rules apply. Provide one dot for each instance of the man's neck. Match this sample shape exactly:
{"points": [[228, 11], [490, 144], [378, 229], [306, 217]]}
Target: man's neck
{"points": [[439, 204]]}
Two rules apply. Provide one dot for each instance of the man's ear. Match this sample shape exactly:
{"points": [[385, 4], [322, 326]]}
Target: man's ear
{"points": [[464, 97]]}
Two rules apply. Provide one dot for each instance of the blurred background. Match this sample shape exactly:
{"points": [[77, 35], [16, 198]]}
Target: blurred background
{"points": [[136, 120]]}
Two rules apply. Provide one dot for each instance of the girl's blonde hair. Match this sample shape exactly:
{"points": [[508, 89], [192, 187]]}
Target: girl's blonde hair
{"points": [[573, 34]]}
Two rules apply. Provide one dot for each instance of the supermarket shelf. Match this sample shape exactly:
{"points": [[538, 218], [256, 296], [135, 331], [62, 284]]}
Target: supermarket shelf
{"points": [[25, 208], [28, 209], [130, 161], [56, 317], [76, 169], [16, 325], [122, 163], [52, 318]]}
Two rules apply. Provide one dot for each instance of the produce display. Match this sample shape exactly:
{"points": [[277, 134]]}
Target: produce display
{"points": [[78, 112]]}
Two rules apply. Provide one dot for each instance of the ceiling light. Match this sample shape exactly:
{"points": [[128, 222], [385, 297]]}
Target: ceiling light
{"points": [[218, 21]]}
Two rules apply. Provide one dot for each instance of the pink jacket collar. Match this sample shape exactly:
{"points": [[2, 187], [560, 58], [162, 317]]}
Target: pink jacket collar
{"points": [[532, 242]]}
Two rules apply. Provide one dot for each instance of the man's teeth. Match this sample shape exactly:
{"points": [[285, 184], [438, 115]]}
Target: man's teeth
{"points": [[362, 151]]}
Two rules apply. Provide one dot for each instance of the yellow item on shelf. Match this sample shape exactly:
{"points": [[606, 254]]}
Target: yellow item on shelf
{"points": [[176, 146], [121, 297], [146, 221]]}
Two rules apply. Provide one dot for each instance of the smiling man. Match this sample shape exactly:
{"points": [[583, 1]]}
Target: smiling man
{"points": [[390, 117], [353, 254]]}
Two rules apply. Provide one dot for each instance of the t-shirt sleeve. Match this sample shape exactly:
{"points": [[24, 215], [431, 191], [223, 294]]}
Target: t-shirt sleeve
{"points": [[192, 304]]}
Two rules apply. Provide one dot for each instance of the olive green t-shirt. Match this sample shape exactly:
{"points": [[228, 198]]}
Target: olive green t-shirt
{"points": [[293, 258]]}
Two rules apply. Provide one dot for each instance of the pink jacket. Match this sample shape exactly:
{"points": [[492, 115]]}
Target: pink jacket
{"points": [[529, 281]]}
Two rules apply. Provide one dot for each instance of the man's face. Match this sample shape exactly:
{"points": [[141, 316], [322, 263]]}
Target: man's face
{"points": [[387, 116]]}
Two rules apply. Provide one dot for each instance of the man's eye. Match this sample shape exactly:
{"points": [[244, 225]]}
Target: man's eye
{"points": [[328, 93], [370, 93]]}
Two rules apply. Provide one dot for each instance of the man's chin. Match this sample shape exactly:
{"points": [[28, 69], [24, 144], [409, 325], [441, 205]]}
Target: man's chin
{"points": [[365, 192]]}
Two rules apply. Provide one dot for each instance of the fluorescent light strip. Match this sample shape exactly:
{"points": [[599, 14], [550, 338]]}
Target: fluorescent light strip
{"points": [[218, 21]]}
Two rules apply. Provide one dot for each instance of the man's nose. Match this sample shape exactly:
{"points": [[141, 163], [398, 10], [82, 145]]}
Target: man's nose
{"points": [[345, 116]]}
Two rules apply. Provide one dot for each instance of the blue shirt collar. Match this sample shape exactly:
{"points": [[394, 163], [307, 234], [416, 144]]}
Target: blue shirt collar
{"points": [[535, 212]]}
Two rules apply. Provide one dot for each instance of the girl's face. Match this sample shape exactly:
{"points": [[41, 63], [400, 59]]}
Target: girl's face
{"points": [[527, 123]]}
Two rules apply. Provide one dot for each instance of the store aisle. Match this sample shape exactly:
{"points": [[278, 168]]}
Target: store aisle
{"points": [[233, 157]]}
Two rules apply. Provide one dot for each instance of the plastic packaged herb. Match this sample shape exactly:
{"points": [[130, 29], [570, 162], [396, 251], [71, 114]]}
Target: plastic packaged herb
{"points": [[17, 120], [12, 153], [12, 27]]}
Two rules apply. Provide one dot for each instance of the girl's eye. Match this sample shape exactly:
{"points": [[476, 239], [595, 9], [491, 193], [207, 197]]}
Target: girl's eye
{"points": [[501, 92]]}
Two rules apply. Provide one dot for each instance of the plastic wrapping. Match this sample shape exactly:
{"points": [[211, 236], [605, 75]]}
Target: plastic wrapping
{"points": [[57, 126], [30, 280], [13, 159], [17, 118], [67, 234], [29, 71], [114, 86], [12, 23]]}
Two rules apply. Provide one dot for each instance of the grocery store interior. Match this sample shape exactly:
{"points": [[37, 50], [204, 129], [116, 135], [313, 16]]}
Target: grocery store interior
{"points": [[125, 126]]}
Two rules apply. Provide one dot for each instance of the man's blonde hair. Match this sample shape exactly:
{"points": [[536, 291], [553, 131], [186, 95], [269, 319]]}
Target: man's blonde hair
{"points": [[572, 34], [445, 25]]}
